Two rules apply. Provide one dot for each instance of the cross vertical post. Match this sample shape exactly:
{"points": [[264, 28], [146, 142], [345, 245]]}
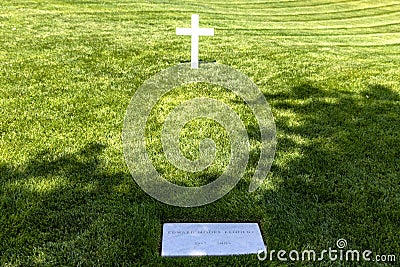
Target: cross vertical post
{"points": [[195, 32], [195, 42]]}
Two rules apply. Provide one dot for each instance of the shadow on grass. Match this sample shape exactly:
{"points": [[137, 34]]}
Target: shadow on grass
{"points": [[337, 170], [336, 175], [70, 209]]}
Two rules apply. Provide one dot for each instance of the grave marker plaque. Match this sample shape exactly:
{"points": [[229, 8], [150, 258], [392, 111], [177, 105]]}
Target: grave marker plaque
{"points": [[211, 239]]}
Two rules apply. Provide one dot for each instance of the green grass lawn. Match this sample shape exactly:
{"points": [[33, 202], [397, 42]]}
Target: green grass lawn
{"points": [[330, 71]]}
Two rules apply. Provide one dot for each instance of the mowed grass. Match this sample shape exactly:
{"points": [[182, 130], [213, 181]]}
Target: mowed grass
{"points": [[68, 69]]}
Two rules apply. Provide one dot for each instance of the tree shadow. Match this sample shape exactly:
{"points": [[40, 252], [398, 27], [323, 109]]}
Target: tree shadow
{"points": [[71, 208], [335, 175], [342, 180]]}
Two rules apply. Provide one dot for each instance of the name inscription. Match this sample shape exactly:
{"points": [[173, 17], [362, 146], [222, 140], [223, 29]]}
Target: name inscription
{"points": [[191, 232]]}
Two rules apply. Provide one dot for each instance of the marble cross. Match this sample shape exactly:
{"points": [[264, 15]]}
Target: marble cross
{"points": [[195, 32]]}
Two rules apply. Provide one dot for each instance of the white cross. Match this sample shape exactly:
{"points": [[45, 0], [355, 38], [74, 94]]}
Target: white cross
{"points": [[195, 32]]}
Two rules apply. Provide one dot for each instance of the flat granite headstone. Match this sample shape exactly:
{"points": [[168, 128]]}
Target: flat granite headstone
{"points": [[212, 239]]}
